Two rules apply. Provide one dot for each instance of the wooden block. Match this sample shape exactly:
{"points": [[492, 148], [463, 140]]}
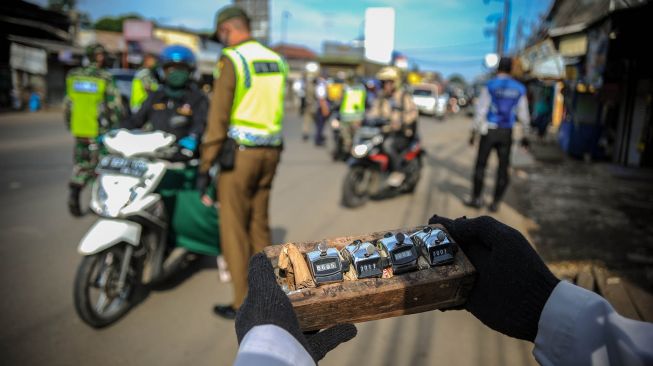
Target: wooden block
{"points": [[642, 300], [585, 278], [376, 298], [612, 289]]}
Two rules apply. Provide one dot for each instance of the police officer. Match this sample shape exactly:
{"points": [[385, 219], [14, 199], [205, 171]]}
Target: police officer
{"points": [[352, 110], [145, 82], [179, 106], [397, 106], [501, 102], [247, 108], [92, 107]]}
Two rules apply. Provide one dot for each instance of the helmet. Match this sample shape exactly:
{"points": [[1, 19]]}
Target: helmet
{"points": [[94, 48], [230, 12], [389, 73], [177, 54]]}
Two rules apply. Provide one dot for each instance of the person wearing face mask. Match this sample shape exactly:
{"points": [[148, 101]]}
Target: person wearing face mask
{"points": [[178, 107], [243, 134]]}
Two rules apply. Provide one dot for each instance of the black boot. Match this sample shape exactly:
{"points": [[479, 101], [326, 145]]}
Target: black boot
{"points": [[73, 201], [225, 311], [494, 207], [475, 202]]}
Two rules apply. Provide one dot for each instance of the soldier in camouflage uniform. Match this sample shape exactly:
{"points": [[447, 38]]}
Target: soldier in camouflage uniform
{"points": [[93, 106]]}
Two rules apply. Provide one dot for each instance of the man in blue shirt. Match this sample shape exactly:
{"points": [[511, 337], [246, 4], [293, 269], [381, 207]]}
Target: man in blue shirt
{"points": [[501, 103]]}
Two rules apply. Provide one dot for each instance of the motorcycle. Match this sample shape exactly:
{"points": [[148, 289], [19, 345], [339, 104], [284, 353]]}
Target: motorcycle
{"points": [[369, 167], [150, 220]]}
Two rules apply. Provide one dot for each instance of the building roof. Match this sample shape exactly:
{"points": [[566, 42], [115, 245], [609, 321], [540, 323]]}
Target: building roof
{"points": [[572, 16], [294, 52]]}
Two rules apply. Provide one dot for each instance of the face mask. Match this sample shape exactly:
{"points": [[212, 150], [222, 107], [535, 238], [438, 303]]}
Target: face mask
{"points": [[177, 78]]}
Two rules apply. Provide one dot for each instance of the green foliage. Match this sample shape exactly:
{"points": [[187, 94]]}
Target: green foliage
{"points": [[114, 24], [458, 79]]}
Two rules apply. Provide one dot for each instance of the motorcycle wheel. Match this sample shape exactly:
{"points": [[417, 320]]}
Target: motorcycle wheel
{"points": [[97, 300], [355, 190]]}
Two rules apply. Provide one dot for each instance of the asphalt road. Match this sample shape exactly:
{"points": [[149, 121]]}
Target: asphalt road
{"points": [[175, 326]]}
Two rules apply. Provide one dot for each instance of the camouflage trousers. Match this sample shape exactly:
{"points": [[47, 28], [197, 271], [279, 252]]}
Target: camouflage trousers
{"points": [[85, 158]]}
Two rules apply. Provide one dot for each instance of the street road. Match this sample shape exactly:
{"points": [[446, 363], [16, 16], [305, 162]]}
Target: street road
{"points": [[175, 326]]}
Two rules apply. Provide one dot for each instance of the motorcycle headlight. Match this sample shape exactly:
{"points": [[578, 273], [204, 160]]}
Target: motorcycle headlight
{"points": [[335, 123], [359, 150]]}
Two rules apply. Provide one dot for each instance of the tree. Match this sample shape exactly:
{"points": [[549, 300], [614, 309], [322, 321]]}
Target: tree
{"points": [[114, 24], [457, 79]]}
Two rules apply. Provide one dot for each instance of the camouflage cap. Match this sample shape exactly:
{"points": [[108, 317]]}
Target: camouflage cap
{"points": [[230, 12]]}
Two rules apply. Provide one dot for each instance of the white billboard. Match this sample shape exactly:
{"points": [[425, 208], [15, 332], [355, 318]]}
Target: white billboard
{"points": [[379, 34]]}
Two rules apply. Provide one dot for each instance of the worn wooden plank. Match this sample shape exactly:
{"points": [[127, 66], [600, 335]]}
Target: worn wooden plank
{"points": [[612, 289], [585, 278], [375, 298], [642, 300]]}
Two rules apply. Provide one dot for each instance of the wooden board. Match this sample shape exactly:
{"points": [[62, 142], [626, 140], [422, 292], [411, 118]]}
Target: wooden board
{"points": [[376, 298], [612, 289]]}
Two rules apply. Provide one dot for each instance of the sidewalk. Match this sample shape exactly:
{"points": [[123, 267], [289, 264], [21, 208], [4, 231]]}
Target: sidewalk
{"points": [[584, 213]]}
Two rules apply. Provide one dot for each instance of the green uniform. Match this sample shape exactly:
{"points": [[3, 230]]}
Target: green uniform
{"points": [[143, 85], [93, 106]]}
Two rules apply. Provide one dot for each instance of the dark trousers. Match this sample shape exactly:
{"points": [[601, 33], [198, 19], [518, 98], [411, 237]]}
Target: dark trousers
{"points": [[320, 120], [501, 140], [394, 145]]}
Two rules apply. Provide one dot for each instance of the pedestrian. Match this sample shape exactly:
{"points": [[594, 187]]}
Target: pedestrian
{"points": [[514, 293], [352, 110], [308, 107], [322, 110], [244, 134], [146, 81], [502, 101], [92, 107]]}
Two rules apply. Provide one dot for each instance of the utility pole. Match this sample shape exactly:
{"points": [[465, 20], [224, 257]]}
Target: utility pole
{"points": [[502, 27]]}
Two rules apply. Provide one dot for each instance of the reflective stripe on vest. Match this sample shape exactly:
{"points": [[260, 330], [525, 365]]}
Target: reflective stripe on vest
{"points": [[257, 110], [353, 105], [86, 94]]}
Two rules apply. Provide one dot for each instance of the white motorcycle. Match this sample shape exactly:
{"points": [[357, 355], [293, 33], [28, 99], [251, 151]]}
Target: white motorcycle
{"points": [[150, 218]]}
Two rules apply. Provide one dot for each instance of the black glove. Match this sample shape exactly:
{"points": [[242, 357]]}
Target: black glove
{"points": [[512, 284], [525, 143], [202, 182], [266, 303]]}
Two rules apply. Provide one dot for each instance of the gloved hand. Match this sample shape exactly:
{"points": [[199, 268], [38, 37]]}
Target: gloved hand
{"points": [[513, 283], [202, 182], [266, 303], [525, 143], [189, 143]]}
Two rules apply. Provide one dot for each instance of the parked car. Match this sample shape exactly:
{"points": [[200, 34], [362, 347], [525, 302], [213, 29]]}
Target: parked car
{"points": [[429, 101]]}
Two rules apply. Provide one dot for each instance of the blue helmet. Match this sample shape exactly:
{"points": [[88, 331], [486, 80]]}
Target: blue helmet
{"points": [[177, 54]]}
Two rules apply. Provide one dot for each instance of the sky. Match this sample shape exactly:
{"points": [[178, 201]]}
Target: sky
{"points": [[438, 35]]}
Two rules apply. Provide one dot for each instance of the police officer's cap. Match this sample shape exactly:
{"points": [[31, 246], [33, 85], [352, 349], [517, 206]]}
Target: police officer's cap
{"points": [[231, 12]]}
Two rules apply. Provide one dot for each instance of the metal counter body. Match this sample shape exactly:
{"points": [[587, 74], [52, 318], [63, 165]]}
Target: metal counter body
{"points": [[436, 246], [325, 265], [402, 252], [366, 260]]}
